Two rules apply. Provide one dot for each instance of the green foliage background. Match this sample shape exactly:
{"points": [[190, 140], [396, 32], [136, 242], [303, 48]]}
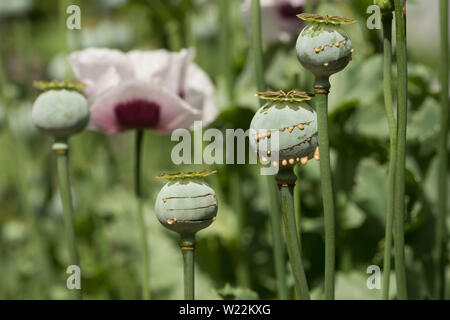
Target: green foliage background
{"points": [[234, 256]]}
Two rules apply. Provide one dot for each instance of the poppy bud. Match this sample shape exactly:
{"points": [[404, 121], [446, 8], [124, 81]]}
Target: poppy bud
{"points": [[60, 112]]}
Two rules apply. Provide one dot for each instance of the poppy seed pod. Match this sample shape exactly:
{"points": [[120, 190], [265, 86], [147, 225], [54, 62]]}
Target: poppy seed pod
{"points": [[323, 47], [61, 111], [186, 204], [295, 121]]}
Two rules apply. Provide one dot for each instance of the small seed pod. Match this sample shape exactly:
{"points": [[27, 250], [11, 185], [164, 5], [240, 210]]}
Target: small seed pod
{"points": [[323, 47], [295, 121], [61, 111], [186, 204]]}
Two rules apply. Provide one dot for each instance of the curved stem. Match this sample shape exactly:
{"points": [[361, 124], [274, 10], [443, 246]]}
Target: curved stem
{"points": [[387, 43], [141, 220], [321, 102], [61, 149], [287, 210], [277, 237], [402, 87], [441, 234], [187, 246]]}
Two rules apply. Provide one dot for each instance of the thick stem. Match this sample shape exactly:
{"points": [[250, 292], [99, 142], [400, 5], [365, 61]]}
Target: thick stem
{"points": [[61, 148], [387, 43], [187, 246], [441, 234], [141, 219], [287, 210], [402, 92], [277, 237], [321, 88], [257, 48], [298, 207]]}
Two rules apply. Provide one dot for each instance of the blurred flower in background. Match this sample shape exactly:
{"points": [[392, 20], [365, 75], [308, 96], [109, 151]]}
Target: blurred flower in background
{"points": [[278, 17], [424, 37], [158, 90], [14, 8]]}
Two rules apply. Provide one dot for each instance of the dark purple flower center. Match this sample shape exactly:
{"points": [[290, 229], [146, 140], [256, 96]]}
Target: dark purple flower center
{"points": [[138, 114], [288, 11]]}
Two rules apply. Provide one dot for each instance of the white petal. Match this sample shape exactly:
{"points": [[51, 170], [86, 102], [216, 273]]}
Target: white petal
{"points": [[100, 69], [162, 67], [199, 92], [275, 27]]}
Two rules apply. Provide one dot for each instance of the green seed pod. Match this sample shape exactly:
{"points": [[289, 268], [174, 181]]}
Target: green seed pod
{"points": [[323, 47], [186, 204], [289, 115], [60, 112]]}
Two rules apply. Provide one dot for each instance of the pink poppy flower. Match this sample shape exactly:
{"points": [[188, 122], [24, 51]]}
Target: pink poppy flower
{"points": [[278, 17], [157, 90]]}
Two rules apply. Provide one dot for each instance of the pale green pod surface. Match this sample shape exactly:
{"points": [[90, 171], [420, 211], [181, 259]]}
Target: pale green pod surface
{"points": [[323, 49], [60, 113], [296, 124], [186, 205]]}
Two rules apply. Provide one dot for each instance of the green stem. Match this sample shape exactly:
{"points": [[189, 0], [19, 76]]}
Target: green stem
{"points": [[287, 210], [402, 91], [187, 246], [298, 207], [441, 234], [141, 220], [175, 40], [387, 42], [277, 237], [225, 48], [321, 86], [257, 48], [61, 149]]}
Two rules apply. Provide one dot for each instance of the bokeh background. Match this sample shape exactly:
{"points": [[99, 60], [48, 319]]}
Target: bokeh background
{"points": [[234, 256]]}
